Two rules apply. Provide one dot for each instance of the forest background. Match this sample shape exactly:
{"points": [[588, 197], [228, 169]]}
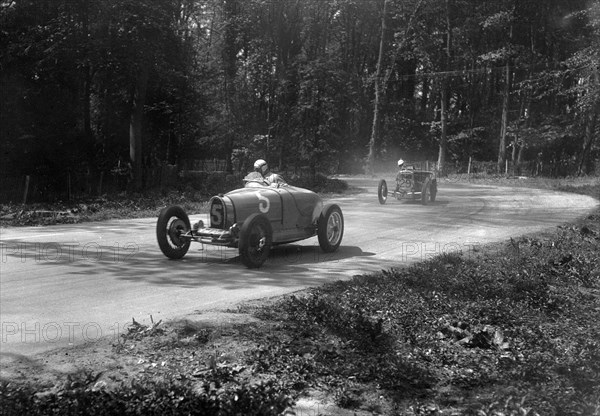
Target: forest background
{"points": [[114, 94]]}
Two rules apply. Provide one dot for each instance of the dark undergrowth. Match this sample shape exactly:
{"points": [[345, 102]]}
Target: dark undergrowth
{"points": [[148, 397], [139, 205]]}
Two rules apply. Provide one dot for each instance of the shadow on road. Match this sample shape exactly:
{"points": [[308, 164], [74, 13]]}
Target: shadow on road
{"points": [[288, 265]]}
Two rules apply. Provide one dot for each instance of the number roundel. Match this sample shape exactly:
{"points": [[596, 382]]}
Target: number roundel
{"points": [[264, 205], [216, 214]]}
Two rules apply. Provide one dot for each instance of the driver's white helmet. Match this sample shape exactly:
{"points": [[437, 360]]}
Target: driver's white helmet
{"points": [[400, 163], [261, 166]]}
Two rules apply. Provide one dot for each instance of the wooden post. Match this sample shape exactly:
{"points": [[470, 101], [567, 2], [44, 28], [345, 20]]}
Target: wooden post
{"points": [[26, 189], [469, 167], [506, 168]]}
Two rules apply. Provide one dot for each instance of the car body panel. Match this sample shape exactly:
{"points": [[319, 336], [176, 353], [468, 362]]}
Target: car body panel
{"points": [[265, 200], [292, 211]]}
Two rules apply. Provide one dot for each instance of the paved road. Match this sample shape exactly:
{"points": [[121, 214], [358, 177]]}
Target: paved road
{"points": [[69, 284]]}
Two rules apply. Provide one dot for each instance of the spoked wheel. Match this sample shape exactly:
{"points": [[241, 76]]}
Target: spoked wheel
{"points": [[172, 224], [330, 228], [425, 192], [256, 238], [382, 191]]}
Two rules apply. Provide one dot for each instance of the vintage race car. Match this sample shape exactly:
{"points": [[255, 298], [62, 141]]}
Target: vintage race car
{"points": [[410, 183], [253, 219]]}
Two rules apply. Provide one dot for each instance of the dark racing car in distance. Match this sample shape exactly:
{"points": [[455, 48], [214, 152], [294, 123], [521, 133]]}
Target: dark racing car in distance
{"points": [[411, 184], [253, 219]]}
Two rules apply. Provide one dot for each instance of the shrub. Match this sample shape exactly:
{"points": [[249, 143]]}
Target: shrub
{"points": [[319, 183], [148, 398]]}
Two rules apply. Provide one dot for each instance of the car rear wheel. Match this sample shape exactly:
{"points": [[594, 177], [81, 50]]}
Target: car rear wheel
{"points": [[425, 192], [172, 223], [382, 191], [256, 238], [433, 191], [330, 228]]}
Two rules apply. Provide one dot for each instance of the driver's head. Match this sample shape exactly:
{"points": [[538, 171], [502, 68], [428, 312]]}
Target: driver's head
{"points": [[400, 163], [261, 166]]}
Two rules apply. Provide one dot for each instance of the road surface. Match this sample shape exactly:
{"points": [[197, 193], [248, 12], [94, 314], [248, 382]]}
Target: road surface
{"points": [[70, 284]]}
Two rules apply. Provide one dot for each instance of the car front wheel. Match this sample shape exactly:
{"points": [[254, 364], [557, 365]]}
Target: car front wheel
{"points": [[382, 191], [256, 238], [172, 224], [330, 228]]}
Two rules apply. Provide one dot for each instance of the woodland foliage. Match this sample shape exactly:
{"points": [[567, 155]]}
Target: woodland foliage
{"points": [[94, 85]]}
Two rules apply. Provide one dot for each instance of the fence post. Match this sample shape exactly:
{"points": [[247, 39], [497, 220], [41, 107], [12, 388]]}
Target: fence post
{"points": [[469, 167], [506, 168], [26, 189]]}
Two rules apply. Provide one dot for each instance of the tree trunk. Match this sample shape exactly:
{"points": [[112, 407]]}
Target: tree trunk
{"points": [[588, 139], [520, 157], [504, 122], [87, 93], [135, 126], [424, 97], [590, 128], [370, 167], [444, 122], [230, 70], [444, 96]]}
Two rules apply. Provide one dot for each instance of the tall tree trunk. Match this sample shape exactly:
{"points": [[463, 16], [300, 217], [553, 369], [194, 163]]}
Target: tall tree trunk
{"points": [[87, 93], [424, 97], [370, 167], [135, 126], [444, 96], [230, 71], [505, 108], [87, 73], [444, 134], [520, 157], [504, 122]]}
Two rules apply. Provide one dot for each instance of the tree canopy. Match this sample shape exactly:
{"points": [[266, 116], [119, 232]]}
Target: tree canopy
{"points": [[315, 84]]}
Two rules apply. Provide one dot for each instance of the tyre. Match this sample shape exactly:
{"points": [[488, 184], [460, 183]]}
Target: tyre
{"points": [[433, 191], [330, 228], [172, 223], [426, 191], [256, 238], [382, 191]]}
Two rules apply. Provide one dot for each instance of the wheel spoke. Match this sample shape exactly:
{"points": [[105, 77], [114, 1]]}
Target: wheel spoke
{"points": [[333, 228]]}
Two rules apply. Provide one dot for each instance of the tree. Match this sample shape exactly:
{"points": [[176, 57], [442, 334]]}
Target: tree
{"points": [[585, 63], [381, 84], [370, 167]]}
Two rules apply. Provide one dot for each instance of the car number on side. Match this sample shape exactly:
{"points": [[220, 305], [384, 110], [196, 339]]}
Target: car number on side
{"points": [[264, 204]]}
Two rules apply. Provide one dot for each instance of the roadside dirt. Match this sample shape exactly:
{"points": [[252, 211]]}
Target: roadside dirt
{"points": [[185, 345], [182, 349]]}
